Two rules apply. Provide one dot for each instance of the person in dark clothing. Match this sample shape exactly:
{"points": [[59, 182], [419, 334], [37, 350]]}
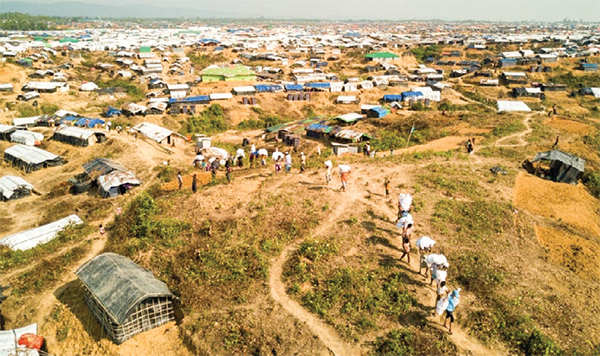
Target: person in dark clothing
{"points": [[228, 174], [194, 184], [555, 143], [179, 179]]}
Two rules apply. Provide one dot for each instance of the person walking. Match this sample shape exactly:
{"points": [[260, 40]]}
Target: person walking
{"points": [[407, 231], [180, 180], [194, 184], [556, 143], [386, 185], [302, 162], [328, 166], [344, 173], [228, 174], [404, 204], [453, 301], [441, 292], [288, 162]]}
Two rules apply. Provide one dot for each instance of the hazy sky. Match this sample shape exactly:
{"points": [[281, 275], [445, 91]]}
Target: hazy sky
{"points": [[505, 10]]}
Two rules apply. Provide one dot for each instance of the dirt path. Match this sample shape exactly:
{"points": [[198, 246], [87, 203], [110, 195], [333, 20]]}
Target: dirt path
{"points": [[426, 296], [519, 135], [324, 332]]}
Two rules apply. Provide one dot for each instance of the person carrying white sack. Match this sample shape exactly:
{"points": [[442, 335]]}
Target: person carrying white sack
{"points": [[328, 166], [404, 204], [452, 303]]}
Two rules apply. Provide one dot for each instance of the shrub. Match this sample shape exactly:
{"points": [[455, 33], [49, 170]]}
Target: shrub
{"points": [[413, 341], [211, 120], [422, 53], [591, 180]]}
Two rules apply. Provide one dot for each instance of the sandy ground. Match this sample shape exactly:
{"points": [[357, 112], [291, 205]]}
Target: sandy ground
{"points": [[561, 202]]}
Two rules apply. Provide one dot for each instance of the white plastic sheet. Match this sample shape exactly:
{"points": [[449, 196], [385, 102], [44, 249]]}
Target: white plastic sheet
{"points": [[344, 168], [405, 201], [436, 259], [441, 306], [425, 242]]}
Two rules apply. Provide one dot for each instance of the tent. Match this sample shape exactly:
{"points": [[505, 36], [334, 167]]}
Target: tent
{"points": [[564, 167], [125, 298], [117, 182], [31, 158], [77, 136], [28, 138], [12, 187], [40, 235], [6, 132], [510, 106], [112, 111]]}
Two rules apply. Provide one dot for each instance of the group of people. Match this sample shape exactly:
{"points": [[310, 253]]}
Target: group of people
{"points": [[446, 300]]}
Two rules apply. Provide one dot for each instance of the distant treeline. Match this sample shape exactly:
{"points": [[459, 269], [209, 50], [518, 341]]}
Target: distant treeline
{"points": [[22, 22]]}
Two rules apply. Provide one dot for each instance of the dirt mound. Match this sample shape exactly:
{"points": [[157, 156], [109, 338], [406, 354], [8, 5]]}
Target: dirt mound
{"points": [[569, 126], [566, 203], [573, 252]]}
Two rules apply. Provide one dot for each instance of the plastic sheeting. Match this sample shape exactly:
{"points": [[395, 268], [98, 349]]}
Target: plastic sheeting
{"points": [[40, 235], [28, 138], [13, 187], [9, 338], [344, 168], [436, 259], [425, 242]]}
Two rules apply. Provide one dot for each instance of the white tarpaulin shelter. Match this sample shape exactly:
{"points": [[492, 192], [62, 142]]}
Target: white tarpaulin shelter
{"points": [[512, 106], [220, 96], [596, 92], [9, 339], [425, 242], [40, 235], [28, 138], [13, 187]]}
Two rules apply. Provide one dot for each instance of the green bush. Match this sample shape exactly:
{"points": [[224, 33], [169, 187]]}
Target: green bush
{"points": [[422, 53], [591, 180], [388, 140], [315, 249], [135, 93], [413, 341], [210, 121]]}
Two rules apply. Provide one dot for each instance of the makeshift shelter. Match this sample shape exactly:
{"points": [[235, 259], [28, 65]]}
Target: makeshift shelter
{"points": [[159, 134], [117, 182], [31, 158], [125, 298], [28, 138], [6, 131], [510, 106], [246, 90], [350, 117], [563, 167], [40, 235], [78, 137], [12, 187]]}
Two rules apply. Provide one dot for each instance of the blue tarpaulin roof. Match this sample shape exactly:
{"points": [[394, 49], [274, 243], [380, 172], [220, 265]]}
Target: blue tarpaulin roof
{"points": [[294, 87], [317, 85], [381, 112], [261, 88], [86, 121], [71, 118], [392, 97], [112, 111], [408, 94], [191, 99]]}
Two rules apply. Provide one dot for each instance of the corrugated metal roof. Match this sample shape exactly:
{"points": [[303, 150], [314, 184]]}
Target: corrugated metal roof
{"points": [[31, 155], [8, 184], [119, 284], [40, 235]]}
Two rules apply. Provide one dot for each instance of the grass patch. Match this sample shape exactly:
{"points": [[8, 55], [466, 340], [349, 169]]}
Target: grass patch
{"points": [[444, 177], [10, 259], [210, 121], [508, 128], [413, 341], [476, 220], [48, 273]]}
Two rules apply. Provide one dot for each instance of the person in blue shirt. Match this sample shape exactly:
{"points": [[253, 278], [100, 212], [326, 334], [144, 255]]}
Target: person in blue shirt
{"points": [[453, 301]]}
